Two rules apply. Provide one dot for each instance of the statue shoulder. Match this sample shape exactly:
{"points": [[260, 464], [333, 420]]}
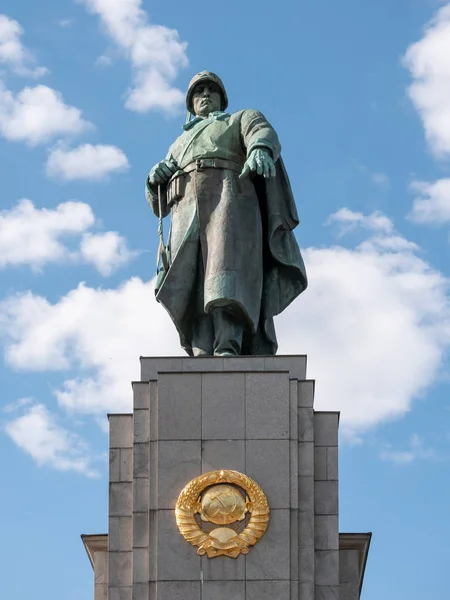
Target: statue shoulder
{"points": [[249, 113]]}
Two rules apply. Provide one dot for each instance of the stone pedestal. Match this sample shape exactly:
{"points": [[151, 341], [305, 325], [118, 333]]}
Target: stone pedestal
{"points": [[251, 414]]}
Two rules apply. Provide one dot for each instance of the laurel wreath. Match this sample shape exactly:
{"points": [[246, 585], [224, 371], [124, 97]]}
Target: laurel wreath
{"points": [[188, 504]]}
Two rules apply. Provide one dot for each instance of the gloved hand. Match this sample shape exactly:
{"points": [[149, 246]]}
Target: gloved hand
{"points": [[261, 162], [162, 172]]}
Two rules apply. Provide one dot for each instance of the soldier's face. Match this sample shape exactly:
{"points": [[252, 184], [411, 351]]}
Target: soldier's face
{"points": [[206, 98]]}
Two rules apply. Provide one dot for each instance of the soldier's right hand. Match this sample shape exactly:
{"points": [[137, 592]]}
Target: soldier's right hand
{"points": [[162, 172]]}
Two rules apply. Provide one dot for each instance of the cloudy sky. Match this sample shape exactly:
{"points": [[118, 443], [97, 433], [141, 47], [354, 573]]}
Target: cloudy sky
{"points": [[91, 96]]}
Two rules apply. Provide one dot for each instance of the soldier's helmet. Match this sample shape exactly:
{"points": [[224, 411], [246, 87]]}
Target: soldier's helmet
{"points": [[199, 78]]}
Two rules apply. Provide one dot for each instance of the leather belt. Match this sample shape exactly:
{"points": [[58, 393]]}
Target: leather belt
{"points": [[212, 163]]}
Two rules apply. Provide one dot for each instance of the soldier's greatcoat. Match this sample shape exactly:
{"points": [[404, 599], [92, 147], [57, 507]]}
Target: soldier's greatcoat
{"points": [[231, 242]]}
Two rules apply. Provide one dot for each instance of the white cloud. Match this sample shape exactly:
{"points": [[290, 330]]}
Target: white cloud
{"points": [[37, 114], [428, 61], [381, 179], [65, 22], [38, 434], [106, 251], [32, 236], [416, 451], [349, 220], [17, 404], [86, 162], [36, 236], [102, 331], [432, 204], [12, 52], [374, 324], [155, 52]]}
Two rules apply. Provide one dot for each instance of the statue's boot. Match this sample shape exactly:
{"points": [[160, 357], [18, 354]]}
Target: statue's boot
{"points": [[228, 333]]}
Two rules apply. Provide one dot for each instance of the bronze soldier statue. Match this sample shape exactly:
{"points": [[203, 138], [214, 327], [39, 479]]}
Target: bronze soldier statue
{"points": [[232, 262]]}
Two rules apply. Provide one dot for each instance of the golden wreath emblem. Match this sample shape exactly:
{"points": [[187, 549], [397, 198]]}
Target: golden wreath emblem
{"points": [[218, 499]]}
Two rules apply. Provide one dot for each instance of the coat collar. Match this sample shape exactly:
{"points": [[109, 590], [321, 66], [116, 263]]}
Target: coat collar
{"points": [[216, 115]]}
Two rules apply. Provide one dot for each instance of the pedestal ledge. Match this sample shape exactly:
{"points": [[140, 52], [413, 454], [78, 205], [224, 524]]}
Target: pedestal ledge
{"points": [[97, 542], [361, 543]]}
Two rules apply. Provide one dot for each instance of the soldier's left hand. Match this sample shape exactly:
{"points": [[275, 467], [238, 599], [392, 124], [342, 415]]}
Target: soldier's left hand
{"points": [[261, 162]]}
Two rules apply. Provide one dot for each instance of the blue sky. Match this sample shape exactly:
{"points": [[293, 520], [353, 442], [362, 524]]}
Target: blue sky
{"points": [[91, 96]]}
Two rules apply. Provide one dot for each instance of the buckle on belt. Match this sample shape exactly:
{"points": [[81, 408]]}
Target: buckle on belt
{"points": [[202, 163]]}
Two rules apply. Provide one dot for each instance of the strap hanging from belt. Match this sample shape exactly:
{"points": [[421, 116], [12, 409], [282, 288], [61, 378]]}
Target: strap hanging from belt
{"points": [[162, 251]]}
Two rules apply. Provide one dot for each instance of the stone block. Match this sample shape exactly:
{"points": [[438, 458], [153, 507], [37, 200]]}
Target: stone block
{"points": [[114, 464], [177, 560], [320, 463], [326, 532], [153, 412], [119, 569], [140, 530], [306, 394], [326, 425], [326, 497], [121, 431], [126, 464], [179, 406], [306, 494], [332, 463], [101, 567], [306, 529], [349, 566], [141, 460], [178, 463], [140, 565], [141, 426], [294, 590], [306, 564], [348, 591], [327, 567], [293, 469], [305, 425], [120, 499], [120, 593], [306, 591], [267, 462], [223, 568], [202, 364], [267, 405], [295, 365], [100, 591], [223, 406], [141, 591], [141, 495], [222, 454], [178, 590], [151, 366], [270, 557], [244, 363], [141, 395], [305, 451], [294, 544], [293, 409], [268, 590], [120, 534], [153, 548], [223, 590], [329, 592]]}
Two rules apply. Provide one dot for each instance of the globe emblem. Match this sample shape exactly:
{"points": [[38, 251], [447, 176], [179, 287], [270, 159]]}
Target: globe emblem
{"points": [[223, 504]]}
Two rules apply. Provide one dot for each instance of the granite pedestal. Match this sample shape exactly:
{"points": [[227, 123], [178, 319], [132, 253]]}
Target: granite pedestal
{"points": [[251, 414]]}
